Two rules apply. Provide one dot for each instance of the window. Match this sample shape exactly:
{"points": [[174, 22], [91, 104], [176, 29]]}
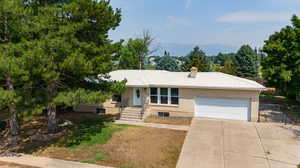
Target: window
{"points": [[174, 96], [154, 95], [163, 114], [117, 98], [164, 96]]}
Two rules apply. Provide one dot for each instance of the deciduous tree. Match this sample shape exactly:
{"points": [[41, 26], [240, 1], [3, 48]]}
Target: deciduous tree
{"points": [[195, 58], [281, 66]]}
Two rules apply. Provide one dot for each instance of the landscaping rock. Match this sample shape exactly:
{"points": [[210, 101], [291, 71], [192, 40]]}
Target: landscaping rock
{"points": [[65, 123], [31, 132], [9, 154], [47, 137]]}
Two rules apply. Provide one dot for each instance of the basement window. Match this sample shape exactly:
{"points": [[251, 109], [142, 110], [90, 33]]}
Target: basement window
{"points": [[163, 114]]}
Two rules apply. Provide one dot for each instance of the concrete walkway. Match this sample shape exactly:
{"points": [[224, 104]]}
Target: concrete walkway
{"points": [[155, 125], [234, 144], [43, 162]]}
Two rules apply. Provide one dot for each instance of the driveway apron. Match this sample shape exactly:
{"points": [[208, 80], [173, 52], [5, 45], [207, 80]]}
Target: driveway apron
{"points": [[214, 143]]}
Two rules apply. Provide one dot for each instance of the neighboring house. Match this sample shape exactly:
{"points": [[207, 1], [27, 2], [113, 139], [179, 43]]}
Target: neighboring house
{"points": [[185, 94]]}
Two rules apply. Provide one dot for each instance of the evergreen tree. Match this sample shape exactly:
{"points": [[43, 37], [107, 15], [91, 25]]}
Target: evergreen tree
{"points": [[13, 76], [71, 45], [167, 63], [196, 58], [246, 62]]}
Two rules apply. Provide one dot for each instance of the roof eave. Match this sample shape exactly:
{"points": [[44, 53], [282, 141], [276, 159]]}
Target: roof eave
{"points": [[200, 87]]}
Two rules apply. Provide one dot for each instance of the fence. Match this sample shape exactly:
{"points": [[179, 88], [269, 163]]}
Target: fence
{"points": [[279, 113]]}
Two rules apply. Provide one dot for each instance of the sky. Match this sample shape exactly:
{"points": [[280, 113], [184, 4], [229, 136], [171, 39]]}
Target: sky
{"points": [[204, 22]]}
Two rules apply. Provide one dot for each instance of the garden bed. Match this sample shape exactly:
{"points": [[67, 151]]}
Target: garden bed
{"points": [[169, 120]]}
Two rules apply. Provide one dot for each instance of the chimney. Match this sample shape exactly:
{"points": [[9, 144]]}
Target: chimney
{"points": [[193, 72]]}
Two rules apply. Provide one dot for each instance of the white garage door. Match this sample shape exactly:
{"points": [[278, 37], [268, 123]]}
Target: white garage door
{"points": [[233, 109]]}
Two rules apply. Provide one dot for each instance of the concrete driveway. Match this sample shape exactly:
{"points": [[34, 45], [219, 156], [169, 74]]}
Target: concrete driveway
{"points": [[233, 144]]}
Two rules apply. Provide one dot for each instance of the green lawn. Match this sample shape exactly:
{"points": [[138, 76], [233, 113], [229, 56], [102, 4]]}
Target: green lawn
{"points": [[90, 132]]}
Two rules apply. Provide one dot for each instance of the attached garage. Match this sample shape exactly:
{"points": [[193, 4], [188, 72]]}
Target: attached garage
{"points": [[232, 109]]}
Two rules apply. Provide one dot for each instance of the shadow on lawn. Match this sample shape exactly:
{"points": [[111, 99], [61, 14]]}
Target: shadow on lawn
{"points": [[87, 129], [87, 132]]}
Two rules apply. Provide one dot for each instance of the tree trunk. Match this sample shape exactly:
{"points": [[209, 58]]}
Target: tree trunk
{"points": [[52, 122], [13, 120], [51, 111]]}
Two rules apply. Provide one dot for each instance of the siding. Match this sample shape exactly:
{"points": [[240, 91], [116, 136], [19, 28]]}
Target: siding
{"points": [[186, 105]]}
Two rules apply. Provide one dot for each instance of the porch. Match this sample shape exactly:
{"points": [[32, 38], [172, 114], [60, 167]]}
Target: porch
{"points": [[134, 103]]}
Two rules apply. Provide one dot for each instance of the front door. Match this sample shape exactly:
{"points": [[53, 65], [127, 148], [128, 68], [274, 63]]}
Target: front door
{"points": [[137, 96]]}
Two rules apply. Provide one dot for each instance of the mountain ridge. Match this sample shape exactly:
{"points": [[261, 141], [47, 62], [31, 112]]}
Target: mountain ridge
{"points": [[177, 49]]}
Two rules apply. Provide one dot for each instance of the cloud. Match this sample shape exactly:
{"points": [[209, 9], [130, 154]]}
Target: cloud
{"points": [[178, 20], [256, 17], [187, 3]]}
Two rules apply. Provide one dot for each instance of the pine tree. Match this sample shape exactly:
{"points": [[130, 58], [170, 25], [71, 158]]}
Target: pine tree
{"points": [[246, 62], [71, 45], [168, 63], [13, 76]]}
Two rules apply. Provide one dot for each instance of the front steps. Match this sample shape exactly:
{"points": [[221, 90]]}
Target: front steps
{"points": [[132, 113]]}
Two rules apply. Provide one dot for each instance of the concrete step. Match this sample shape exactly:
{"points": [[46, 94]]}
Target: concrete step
{"points": [[130, 118], [131, 115], [130, 112]]}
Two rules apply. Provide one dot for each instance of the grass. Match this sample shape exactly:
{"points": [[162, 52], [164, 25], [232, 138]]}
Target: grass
{"points": [[90, 132], [95, 139], [95, 160], [169, 120]]}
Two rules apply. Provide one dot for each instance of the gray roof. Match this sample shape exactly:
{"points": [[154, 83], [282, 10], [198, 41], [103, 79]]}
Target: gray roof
{"points": [[160, 78]]}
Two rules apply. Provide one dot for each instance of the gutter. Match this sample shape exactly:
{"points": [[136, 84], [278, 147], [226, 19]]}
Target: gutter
{"points": [[200, 87]]}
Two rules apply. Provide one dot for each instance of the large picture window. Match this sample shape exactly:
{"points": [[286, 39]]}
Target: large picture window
{"points": [[164, 96]]}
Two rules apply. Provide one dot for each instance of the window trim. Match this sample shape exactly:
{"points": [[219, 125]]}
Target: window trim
{"points": [[159, 97]]}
